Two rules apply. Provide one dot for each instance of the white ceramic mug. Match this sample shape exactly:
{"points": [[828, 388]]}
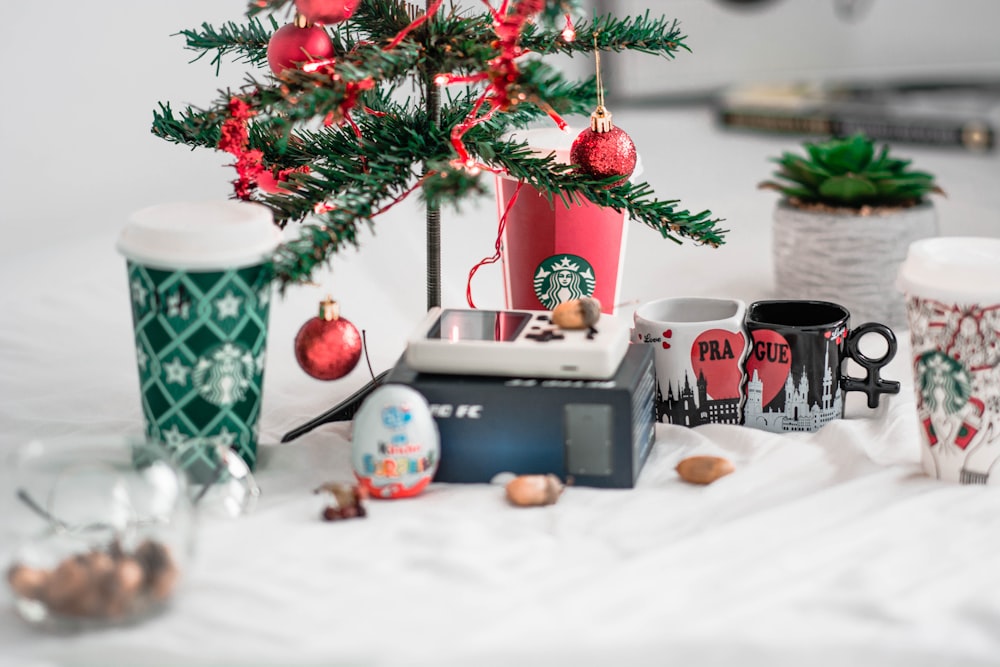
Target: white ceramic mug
{"points": [[952, 289], [700, 349]]}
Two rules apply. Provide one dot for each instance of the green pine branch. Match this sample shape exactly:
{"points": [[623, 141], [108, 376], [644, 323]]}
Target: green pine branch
{"points": [[352, 180], [192, 127], [638, 200], [655, 36], [248, 43], [301, 96], [340, 162], [336, 228], [382, 19], [296, 260], [539, 83]]}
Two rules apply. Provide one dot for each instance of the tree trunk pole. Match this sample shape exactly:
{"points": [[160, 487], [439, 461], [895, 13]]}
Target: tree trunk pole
{"points": [[433, 97]]}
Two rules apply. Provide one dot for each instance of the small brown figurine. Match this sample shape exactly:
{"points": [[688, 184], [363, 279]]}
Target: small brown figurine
{"points": [[347, 501]]}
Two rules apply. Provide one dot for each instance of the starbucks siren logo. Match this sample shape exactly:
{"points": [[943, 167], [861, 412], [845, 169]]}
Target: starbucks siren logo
{"points": [[223, 377], [945, 384], [561, 278]]}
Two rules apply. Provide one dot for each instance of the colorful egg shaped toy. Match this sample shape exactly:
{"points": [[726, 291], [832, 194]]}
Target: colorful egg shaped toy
{"points": [[395, 443]]}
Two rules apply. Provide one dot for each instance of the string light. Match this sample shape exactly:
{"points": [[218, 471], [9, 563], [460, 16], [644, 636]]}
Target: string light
{"points": [[316, 65], [569, 32]]}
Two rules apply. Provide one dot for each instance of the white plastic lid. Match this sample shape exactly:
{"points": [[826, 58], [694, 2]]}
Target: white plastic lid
{"points": [[200, 235], [547, 140], [952, 269]]}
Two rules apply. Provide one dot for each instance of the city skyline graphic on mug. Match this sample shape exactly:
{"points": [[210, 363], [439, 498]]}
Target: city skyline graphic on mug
{"points": [[563, 277], [776, 402], [716, 359]]}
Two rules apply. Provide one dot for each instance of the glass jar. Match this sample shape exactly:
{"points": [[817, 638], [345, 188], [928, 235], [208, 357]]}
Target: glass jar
{"points": [[101, 531]]}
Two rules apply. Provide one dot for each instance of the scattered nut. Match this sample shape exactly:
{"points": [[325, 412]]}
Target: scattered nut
{"points": [[67, 586], [704, 469], [100, 573], [158, 566], [129, 575], [28, 582], [122, 588], [534, 490], [101, 583], [581, 313]]}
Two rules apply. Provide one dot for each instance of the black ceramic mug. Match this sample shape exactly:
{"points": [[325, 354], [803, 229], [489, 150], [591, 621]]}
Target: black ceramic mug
{"points": [[794, 375]]}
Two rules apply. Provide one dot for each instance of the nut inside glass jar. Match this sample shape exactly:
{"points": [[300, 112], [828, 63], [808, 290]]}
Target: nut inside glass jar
{"points": [[103, 532]]}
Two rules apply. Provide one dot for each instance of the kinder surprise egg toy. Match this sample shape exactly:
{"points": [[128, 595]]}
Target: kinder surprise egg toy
{"points": [[395, 443]]}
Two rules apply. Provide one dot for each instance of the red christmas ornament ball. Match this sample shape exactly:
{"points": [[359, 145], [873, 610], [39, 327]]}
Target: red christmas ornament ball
{"points": [[327, 11], [604, 154], [291, 44], [328, 347]]}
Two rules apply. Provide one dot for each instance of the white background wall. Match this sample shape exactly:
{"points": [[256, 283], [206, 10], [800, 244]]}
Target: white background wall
{"points": [[805, 39], [81, 81], [80, 85]]}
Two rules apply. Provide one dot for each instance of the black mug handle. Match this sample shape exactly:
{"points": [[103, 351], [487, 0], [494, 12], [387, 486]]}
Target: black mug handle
{"points": [[872, 384]]}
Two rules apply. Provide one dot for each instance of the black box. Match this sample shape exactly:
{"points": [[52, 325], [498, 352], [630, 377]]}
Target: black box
{"points": [[587, 432]]}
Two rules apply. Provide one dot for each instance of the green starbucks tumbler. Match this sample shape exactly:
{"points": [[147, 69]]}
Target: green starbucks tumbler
{"points": [[200, 277]]}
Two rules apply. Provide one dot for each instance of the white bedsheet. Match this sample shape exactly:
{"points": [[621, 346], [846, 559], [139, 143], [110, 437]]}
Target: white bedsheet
{"points": [[821, 549]]}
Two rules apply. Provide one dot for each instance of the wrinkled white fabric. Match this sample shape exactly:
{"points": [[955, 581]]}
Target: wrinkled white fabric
{"points": [[830, 548]]}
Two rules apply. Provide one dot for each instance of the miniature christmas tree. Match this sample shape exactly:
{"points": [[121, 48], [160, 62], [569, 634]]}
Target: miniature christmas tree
{"points": [[335, 132]]}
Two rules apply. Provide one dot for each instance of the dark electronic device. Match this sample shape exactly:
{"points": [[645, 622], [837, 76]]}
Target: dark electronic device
{"points": [[587, 432]]}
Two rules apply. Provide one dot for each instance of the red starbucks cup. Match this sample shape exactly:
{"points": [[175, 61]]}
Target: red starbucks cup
{"points": [[553, 253]]}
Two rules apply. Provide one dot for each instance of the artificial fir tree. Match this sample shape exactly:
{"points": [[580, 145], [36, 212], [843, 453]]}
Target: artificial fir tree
{"points": [[340, 134]]}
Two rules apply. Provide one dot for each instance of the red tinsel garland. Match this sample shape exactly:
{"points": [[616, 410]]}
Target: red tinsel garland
{"points": [[234, 140], [502, 72]]}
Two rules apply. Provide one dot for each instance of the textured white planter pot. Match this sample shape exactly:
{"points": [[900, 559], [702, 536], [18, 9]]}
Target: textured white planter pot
{"points": [[848, 259]]}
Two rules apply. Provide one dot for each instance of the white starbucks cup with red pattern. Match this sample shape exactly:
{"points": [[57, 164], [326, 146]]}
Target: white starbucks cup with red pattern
{"points": [[952, 290]]}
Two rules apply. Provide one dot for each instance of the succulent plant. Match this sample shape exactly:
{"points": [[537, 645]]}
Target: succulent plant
{"points": [[846, 172]]}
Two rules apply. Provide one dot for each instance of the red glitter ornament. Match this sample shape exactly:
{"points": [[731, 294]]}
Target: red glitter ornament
{"points": [[328, 347], [603, 150], [295, 43], [604, 153], [327, 11]]}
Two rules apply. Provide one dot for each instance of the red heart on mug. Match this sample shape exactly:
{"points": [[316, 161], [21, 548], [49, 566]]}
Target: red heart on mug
{"points": [[771, 358], [716, 355]]}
